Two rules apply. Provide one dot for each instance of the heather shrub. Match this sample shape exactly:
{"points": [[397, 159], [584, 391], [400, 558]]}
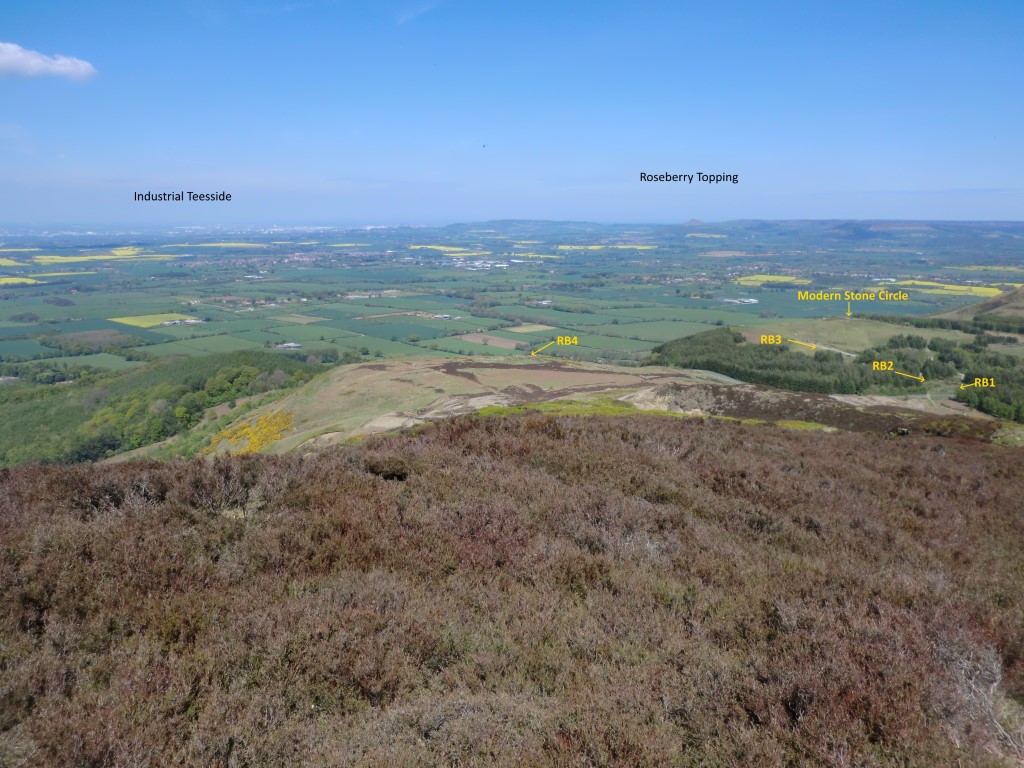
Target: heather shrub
{"points": [[529, 590]]}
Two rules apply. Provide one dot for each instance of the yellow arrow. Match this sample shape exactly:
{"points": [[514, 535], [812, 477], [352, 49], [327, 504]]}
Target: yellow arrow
{"points": [[965, 386], [534, 353], [909, 375], [804, 343], [849, 311]]}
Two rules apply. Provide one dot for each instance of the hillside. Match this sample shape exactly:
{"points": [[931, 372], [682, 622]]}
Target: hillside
{"points": [[357, 400], [151, 346], [1008, 304], [534, 590], [351, 402]]}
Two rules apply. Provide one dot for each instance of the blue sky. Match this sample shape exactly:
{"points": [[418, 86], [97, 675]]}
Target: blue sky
{"points": [[322, 112]]}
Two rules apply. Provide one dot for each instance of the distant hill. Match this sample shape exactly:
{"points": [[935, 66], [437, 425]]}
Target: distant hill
{"points": [[521, 590], [1009, 304]]}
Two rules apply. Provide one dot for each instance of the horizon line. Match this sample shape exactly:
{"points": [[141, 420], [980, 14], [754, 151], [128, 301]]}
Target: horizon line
{"points": [[456, 222]]}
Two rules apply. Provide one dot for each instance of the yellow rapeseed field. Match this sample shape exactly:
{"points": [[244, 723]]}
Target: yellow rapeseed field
{"points": [[62, 274], [926, 286], [755, 280], [127, 252], [149, 321], [231, 245]]}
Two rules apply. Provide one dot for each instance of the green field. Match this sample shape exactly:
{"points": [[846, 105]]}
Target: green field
{"points": [[609, 342], [387, 299], [173, 348], [846, 334], [99, 360], [210, 344], [656, 331], [22, 347]]}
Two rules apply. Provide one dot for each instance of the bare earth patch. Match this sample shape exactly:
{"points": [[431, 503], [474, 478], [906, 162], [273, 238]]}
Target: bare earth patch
{"points": [[492, 341], [387, 423], [300, 319]]}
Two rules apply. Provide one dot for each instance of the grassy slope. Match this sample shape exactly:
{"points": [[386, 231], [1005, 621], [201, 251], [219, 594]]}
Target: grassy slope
{"points": [[847, 335], [346, 398], [1010, 304], [541, 590]]}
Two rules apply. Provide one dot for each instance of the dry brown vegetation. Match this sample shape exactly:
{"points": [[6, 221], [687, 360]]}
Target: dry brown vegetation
{"points": [[536, 590]]}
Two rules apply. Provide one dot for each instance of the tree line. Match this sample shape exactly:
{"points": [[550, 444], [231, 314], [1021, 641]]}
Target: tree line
{"points": [[725, 351]]}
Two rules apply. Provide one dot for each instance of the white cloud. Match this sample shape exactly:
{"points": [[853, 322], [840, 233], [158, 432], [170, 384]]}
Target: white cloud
{"points": [[15, 60]]}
